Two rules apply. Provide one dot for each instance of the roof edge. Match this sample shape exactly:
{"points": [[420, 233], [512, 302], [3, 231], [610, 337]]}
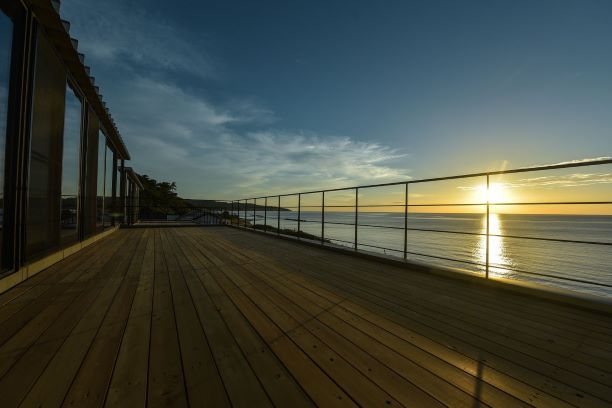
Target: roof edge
{"points": [[46, 13]]}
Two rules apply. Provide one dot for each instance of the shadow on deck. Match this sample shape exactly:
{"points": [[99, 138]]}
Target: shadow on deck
{"points": [[218, 316]]}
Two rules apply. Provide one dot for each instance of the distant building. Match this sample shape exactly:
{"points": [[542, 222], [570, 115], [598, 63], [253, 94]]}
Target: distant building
{"points": [[61, 155]]}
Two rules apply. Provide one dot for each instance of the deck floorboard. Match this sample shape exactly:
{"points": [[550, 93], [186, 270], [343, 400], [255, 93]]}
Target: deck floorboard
{"points": [[217, 316]]}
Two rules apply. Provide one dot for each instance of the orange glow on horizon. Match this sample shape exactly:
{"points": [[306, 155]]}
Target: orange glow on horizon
{"points": [[568, 191], [496, 193]]}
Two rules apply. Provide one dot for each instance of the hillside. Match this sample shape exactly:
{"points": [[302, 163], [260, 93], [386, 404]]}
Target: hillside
{"points": [[221, 204]]}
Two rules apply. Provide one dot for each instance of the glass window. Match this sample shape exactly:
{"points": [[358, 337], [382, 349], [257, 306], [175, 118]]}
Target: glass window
{"points": [[108, 187], [46, 135], [70, 166], [100, 210], [118, 210], [128, 199], [6, 37], [89, 216]]}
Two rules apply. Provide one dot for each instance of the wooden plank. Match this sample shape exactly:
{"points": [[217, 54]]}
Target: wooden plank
{"points": [[90, 385], [548, 340], [45, 280], [52, 385], [403, 388], [601, 364], [483, 345], [343, 284], [473, 366], [577, 373], [300, 324], [28, 293], [128, 384], [313, 380], [525, 313], [16, 383], [446, 373], [544, 333], [166, 385], [290, 320], [27, 335], [313, 310], [458, 290], [528, 307], [523, 385], [280, 386], [321, 389], [22, 310], [243, 387], [202, 378]]}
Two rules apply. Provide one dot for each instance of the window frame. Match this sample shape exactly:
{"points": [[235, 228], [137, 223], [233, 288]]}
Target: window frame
{"points": [[79, 95], [16, 131]]}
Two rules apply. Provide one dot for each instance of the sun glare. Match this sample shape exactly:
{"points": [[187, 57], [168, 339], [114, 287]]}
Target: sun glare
{"points": [[496, 193]]}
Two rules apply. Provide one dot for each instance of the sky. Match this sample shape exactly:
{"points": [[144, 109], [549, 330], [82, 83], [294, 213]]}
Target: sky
{"points": [[235, 99]]}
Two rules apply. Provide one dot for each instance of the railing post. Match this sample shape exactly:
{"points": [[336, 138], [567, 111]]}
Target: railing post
{"points": [[323, 217], [356, 214], [245, 213], [299, 213], [406, 223], [278, 217], [254, 205], [266, 214], [488, 200]]}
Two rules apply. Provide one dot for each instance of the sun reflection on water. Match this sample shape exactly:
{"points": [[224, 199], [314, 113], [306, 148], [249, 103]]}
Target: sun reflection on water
{"points": [[498, 254]]}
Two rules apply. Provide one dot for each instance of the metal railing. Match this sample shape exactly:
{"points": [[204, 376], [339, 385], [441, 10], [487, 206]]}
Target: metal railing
{"points": [[218, 215], [244, 213]]}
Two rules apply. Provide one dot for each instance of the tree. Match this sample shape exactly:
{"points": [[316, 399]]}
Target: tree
{"points": [[160, 198]]}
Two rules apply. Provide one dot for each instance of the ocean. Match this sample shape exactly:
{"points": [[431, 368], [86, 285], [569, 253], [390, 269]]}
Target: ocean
{"points": [[546, 262]]}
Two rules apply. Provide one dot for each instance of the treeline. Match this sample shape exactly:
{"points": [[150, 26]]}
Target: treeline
{"points": [[161, 197], [236, 206]]}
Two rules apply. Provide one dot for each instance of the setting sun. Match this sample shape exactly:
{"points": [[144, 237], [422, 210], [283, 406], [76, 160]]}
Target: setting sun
{"points": [[496, 194]]}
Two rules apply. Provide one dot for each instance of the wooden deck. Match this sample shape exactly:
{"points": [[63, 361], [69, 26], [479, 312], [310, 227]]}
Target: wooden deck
{"points": [[217, 316]]}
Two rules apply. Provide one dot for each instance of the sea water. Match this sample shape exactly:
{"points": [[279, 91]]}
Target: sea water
{"points": [[459, 241]]}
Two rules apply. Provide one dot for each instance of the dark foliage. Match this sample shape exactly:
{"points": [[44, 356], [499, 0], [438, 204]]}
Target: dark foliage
{"points": [[160, 198]]}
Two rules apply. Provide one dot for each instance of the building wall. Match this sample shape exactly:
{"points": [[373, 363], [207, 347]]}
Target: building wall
{"points": [[6, 37], [91, 174], [45, 160], [55, 160]]}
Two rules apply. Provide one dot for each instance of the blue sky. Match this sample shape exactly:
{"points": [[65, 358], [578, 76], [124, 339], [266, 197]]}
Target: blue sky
{"points": [[238, 98]]}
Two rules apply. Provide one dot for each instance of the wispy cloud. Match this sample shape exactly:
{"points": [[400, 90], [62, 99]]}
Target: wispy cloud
{"points": [[205, 148], [576, 161], [570, 180], [555, 181], [280, 160], [211, 148], [113, 32], [562, 181]]}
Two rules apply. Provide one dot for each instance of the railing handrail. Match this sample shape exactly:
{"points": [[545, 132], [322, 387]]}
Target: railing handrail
{"points": [[565, 165], [239, 209]]}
